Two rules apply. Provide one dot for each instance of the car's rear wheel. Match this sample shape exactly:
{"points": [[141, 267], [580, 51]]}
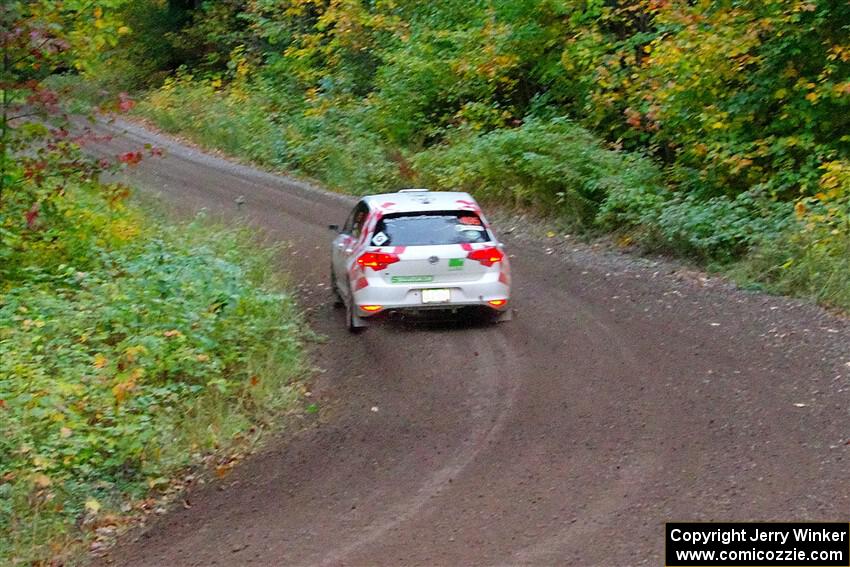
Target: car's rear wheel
{"points": [[338, 301]]}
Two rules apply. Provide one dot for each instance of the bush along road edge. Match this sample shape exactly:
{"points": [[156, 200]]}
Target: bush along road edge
{"points": [[137, 358]]}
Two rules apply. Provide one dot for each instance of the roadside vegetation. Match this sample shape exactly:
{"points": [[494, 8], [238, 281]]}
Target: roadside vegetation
{"points": [[717, 131], [132, 350], [129, 352]]}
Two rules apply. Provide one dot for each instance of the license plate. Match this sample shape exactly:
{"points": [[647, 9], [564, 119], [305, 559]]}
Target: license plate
{"points": [[436, 295]]}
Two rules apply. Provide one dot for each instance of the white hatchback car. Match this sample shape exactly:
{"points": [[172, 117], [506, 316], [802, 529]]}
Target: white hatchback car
{"points": [[416, 250]]}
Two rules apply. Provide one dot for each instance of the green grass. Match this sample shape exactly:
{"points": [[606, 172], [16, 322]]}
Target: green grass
{"points": [[161, 347], [806, 264]]}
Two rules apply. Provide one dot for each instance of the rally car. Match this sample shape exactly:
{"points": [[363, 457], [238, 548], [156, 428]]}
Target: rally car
{"points": [[418, 250]]}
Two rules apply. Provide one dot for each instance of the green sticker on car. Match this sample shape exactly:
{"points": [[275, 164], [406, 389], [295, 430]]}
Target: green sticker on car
{"points": [[412, 279], [455, 263]]}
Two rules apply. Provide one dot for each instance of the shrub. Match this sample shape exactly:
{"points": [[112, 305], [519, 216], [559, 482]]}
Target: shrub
{"points": [[253, 121], [720, 228], [812, 256], [129, 365], [803, 263], [335, 146], [227, 119], [552, 164]]}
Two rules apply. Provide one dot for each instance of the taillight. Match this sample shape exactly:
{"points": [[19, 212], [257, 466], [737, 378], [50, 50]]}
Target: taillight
{"points": [[487, 256], [498, 302], [376, 260], [371, 308]]}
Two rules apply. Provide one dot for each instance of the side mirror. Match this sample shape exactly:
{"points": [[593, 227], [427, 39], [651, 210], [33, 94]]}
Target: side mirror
{"points": [[333, 227]]}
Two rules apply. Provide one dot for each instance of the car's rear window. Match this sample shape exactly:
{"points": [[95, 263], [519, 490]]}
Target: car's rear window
{"points": [[430, 228]]}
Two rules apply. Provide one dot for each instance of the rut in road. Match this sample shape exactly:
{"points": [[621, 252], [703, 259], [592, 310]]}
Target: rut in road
{"points": [[620, 397]]}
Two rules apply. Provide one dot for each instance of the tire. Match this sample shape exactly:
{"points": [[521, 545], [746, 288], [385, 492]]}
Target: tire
{"points": [[338, 301]]}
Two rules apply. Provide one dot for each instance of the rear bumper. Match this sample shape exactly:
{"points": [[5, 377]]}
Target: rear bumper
{"points": [[409, 297]]}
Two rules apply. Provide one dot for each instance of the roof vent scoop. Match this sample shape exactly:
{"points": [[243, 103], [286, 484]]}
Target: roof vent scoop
{"points": [[412, 190]]}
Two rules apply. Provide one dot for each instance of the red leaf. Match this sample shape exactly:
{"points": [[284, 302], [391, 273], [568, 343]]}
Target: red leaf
{"points": [[45, 97], [125, 103], [32, 216], [131, 158]]}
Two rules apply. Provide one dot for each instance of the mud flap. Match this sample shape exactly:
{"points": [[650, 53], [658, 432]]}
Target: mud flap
{"points": [[355, 323], [507, 315]]}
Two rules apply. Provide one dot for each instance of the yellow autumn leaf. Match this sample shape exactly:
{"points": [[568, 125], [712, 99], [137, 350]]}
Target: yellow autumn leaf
{"points": [[133, 352], [99, 361], [41, 480], [122, 389], [92, 506]]}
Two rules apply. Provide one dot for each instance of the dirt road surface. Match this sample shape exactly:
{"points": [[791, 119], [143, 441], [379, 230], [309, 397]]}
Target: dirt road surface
{"points": [[624, 394]]}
